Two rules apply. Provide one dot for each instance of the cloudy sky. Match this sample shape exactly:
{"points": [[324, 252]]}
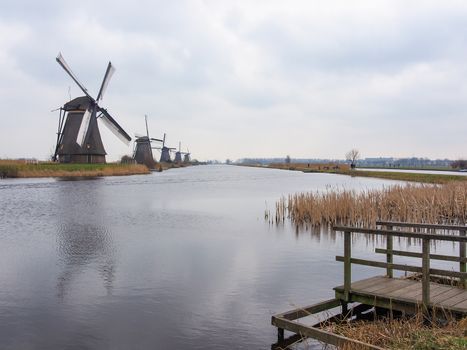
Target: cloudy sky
{"points": [[234, 79]]}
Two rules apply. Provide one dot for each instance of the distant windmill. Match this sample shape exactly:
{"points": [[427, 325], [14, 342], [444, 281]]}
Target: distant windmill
{"points": [[165, 151], [178, 154], [186, 156], [78, 136], [143, 148]]}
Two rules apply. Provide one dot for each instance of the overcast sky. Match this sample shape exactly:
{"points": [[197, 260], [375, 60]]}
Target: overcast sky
{"points": [[233, 79]]}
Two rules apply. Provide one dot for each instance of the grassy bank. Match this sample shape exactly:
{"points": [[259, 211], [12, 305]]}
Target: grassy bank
{"points": [[413, 177], [20, 169], [344, 169]]}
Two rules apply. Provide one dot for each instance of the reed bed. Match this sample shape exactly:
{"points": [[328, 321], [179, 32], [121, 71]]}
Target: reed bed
{"points": [[49, 169], [445, 204], [405, 333]]}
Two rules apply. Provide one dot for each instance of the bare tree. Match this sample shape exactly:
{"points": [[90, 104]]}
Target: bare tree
{"points": [[459, 164], [352, 156], [287, 159]]}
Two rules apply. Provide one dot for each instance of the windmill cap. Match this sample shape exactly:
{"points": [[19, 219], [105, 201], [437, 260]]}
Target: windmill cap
{"points": [[80, 103]]}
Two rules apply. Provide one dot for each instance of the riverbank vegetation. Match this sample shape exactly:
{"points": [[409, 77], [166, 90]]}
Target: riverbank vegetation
{"points": [[405, 333], [445, 204], [344, 169], [17, 168]]}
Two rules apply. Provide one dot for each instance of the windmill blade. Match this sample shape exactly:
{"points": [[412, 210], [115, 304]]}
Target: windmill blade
{"points": [[158, 140], [113, 126], [61, 61], [146, 121], [83, 129], [108, 74]]}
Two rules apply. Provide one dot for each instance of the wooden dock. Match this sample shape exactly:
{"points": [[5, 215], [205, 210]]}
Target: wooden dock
{"points": [[406, 295], [435, 300]]}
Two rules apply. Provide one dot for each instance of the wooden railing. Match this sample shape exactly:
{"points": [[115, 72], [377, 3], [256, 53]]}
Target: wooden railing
{"points": [[425, 255]]}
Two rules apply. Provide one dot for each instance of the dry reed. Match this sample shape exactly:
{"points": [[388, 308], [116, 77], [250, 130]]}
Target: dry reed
{"points": [[445, 204], [404, 333], [12, 168]]}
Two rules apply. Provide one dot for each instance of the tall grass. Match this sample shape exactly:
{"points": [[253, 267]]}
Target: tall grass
{"points": [[405, 333], [413, 203], [47, 169]]}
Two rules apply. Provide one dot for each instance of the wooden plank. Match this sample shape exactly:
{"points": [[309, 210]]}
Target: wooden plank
{"points": [[462, 305], [418, 225], [395, 285], [402, 267], [310, 310], [381, 264], [407, 234], [347, 264], [388, 303], [454, 300], [452, 292], [389, 254], [374, 287], [425, 272], [448, 273], [462, 254], [419, 255], [369, 281], [403, 291], [417, 294], [320, 334]]}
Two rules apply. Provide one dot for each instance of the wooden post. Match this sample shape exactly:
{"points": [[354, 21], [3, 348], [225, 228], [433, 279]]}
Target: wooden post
{"points": [[347, 265], [280, 335], [462, 265], [426, 273], [389, 256]]}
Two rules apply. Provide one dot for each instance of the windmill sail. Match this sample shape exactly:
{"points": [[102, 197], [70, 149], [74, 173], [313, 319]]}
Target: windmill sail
{"points": [[105, 82], [114, 127], [61, 61], [83, 129]]}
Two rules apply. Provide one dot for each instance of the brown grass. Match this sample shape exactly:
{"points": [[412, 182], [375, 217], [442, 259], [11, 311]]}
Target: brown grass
{"points": [[412, 203], [311, 167], [405, 333], [13, 168]]}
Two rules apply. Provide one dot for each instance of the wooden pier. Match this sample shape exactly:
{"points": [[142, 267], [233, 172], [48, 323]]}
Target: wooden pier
{"points": [[434, 299]]}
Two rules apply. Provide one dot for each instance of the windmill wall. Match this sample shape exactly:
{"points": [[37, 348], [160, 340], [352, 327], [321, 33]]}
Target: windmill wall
{"points": [[69, 151], [143, 154], [165, 155]]}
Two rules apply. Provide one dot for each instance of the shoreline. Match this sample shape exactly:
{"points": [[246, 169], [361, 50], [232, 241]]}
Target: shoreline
{"points": [[339, 169], [44, 170]]}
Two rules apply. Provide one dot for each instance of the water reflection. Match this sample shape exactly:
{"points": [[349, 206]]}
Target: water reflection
{"points": [[83, 241], [80, 245]]}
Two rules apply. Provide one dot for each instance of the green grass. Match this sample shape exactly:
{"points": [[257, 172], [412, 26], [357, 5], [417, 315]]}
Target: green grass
{"points": [[415, 177], [435, 168]]}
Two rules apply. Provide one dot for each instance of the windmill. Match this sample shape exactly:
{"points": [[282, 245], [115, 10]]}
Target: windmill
{"points": [[178, 154], [78, 136], [165, 151], [186, 156], [143, 148]]}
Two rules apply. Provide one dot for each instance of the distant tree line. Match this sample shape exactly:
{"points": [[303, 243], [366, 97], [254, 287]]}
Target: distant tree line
{"points": [[459, 164]]}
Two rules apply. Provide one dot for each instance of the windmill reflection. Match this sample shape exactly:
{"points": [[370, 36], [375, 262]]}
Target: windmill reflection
{"points": [[83, 242]]}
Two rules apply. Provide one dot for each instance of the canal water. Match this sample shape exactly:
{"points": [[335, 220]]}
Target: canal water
{"points": [[182, 259]]}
